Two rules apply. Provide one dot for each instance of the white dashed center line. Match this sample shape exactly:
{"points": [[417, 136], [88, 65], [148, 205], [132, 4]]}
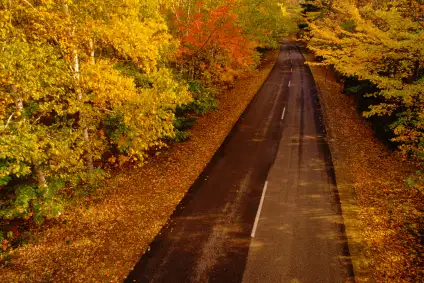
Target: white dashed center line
{"points": [[258, 214], [284, 113]]}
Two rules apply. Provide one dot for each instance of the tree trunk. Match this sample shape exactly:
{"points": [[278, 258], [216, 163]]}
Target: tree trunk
{"points": [[93, 59], [41, 178], [86, 136], [88, 155]]}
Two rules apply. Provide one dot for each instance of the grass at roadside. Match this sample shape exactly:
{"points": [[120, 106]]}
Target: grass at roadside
{"points": [[103, 240], [378, 208]]}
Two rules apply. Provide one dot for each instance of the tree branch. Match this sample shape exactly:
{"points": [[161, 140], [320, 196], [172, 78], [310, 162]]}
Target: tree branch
{"points": [[8, 121]]}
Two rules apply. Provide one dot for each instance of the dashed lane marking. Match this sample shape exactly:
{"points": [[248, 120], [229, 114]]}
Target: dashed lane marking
{"points": [[258, 214]]}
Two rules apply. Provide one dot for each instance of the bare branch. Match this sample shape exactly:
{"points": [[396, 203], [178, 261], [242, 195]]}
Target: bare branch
{"points": [[8, 121], [30, 5]]}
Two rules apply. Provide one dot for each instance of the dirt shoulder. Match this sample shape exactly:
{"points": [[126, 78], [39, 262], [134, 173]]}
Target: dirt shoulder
{"points": [[104, 240], [378, 208]]}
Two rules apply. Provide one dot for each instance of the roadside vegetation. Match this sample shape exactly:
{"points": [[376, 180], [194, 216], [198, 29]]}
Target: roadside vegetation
{"points": [[376, 50], [88, 87]]}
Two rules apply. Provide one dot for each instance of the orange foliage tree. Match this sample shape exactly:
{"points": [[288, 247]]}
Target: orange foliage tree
{"points": [[213, 48]]}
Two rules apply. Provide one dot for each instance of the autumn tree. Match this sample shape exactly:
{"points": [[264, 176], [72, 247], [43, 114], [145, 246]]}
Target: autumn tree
{"points": [[91, 84], [219, 38], [379, 42], [211, 44], [67, 97], [266, 22]]}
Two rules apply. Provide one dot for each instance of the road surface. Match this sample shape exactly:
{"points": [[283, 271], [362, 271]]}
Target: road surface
{"points": [[266, 208]]}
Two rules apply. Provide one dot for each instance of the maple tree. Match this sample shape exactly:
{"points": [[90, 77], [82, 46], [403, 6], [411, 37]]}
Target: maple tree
{"points": [[212, 45], [219, 38]]}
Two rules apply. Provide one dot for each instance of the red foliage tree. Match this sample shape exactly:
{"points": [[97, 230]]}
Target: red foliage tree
{"points": [[213, 43]]}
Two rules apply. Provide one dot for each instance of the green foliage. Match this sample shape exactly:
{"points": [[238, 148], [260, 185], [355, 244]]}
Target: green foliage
{"points": [[31, 201], [203, 99], [416, 181], [184, 123], [349, 25], [203, 104], [116, 130], [5, 180], [21, 206], [141, 80], [354, 89], [354, 86], [180, 136], [181, 126]]}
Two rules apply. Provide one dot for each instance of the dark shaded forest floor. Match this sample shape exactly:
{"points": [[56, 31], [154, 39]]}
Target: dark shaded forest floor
{"points": [[381, 213], [103, 239]]}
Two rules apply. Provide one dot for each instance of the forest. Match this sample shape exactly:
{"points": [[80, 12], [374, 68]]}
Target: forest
{"points": [[87, 86], [377, 47]]}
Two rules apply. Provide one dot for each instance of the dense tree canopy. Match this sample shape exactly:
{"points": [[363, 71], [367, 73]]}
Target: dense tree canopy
{"points": [[380, 42], [66, 99], [86, 84]]}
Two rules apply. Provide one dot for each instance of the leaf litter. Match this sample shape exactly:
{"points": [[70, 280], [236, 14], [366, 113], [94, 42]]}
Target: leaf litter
{"points": [[372, 177]]}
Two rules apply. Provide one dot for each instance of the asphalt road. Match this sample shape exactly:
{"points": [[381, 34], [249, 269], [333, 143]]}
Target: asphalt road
{"points": [[266, 208]]}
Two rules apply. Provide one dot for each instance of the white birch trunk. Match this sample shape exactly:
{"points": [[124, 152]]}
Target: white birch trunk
{"points": [[88, 155], [76, 69], [41, 178], [42, 183], [92, 54]]}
